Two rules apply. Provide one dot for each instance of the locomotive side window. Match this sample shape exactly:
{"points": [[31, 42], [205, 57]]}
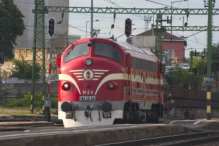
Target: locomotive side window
{"points": [[144, 64], [107, 50], [133, 61], [77, 51]]}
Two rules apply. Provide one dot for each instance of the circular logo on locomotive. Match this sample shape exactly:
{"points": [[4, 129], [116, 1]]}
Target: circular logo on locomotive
{"points": [[88, 74]]}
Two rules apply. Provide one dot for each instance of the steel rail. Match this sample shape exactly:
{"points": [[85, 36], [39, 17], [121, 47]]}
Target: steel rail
{"points": [[189, 138], [209, 139]]}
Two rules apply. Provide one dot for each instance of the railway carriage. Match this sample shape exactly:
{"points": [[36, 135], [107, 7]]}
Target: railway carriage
{"points": [[102, 82]]}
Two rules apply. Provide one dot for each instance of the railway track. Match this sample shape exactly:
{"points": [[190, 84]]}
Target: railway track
{"points": [[192, 139]]}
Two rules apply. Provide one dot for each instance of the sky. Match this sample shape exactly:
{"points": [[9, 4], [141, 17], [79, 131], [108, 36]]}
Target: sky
{"points": [[78, 21]]}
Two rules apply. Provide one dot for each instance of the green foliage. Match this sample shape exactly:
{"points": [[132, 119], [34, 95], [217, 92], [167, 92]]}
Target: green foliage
{"points": [[23, 69], [200, 64], [12, 25], [196, 81], [2, 91], [182, 78], [14, 103], [54, 103], [26, 101], [215, 52]]}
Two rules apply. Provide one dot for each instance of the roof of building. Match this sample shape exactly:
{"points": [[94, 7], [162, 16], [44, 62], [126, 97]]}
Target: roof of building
{"points": [[166, 35]]}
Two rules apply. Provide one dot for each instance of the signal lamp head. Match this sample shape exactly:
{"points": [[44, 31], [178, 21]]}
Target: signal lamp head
{"points": [[66, 86], [88, 61], [128, 27], [51, 30]]}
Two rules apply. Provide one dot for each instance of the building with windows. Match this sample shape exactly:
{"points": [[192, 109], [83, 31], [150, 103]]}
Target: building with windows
{"points": [[147, 39]]}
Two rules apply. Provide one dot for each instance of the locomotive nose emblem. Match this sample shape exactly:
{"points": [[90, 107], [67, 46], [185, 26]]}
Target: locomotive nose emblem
{"points": [[88, 74]]}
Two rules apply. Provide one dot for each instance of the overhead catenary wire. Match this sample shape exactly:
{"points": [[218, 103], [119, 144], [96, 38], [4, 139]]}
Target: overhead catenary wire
{"points": [[117, 23], [110, 1]]}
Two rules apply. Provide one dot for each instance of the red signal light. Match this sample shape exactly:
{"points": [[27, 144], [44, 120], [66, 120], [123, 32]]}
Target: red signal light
{"points": [[128, 27]]}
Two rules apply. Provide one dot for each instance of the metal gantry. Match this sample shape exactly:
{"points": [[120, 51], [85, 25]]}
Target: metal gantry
{"points": [[190, 28], [110, 10], [39, 27], [38, 50]]}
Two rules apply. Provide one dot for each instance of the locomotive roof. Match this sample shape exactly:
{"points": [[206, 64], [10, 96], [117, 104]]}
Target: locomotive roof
{"points": [[127, 46], [133, 48]]}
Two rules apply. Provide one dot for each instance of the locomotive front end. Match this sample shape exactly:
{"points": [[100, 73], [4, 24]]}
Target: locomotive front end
{"points": [[91, 77]]}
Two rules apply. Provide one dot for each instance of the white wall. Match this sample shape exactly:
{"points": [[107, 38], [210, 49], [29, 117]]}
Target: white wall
{"points": [[144, 41], [26, 7]]}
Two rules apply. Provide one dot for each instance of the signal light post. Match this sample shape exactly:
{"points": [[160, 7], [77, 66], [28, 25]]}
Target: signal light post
{"points": [[128, 27], [47, 103], [171, 20]]}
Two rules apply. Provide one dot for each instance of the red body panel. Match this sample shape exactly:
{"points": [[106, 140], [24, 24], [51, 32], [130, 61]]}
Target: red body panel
{"points": [[90, 86]]}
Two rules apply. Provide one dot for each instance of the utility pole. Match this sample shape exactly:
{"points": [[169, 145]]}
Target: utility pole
{"points": [[147, 19], [47, 102], [91, 20], [159, 28], [86, 28], [209, 45], [171, 37]]}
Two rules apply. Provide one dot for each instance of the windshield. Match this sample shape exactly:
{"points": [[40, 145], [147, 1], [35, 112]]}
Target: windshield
{"points": [[107, 50], [77, 51]]}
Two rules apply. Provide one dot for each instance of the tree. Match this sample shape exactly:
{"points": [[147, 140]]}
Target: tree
{"points": [[215, 62], [2, 90], [200, 64], [215, 51], [11, 26], [23, 69], [178, 77]]}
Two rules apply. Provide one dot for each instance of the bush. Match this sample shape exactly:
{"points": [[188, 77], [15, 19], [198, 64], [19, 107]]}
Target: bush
{"points": [[26, 101], [54, 103], [182, 78], [13, 103]]}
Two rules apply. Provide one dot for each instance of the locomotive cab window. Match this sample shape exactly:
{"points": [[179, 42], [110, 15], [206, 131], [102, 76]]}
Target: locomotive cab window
{"points": [[107, 50], [77, 51]]}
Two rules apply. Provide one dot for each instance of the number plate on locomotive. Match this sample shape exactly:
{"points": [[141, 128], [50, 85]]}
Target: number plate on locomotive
{"points": [[85, 98]]}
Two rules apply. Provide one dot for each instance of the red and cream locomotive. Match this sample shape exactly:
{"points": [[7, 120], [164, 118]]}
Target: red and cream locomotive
{"points": [[102, 82]]}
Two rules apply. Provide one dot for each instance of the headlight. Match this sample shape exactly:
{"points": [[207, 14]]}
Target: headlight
{"points": [[88, 61], [110, 85], [66, 86]]}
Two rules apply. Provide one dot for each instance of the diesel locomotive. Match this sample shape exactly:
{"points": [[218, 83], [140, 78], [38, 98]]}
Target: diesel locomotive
{"points": [[103, 82]]}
